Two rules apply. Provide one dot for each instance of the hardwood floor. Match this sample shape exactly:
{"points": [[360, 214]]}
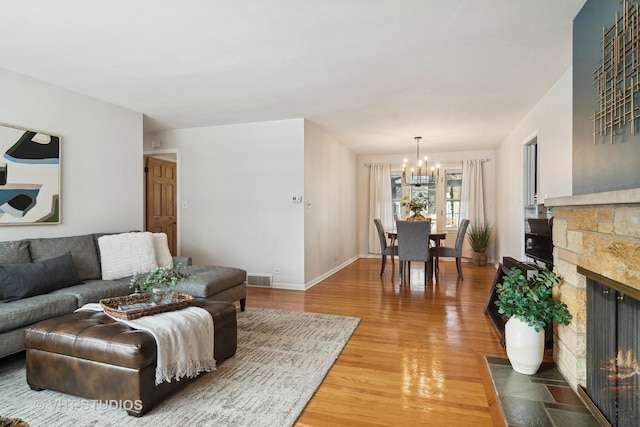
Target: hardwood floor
{"points": [[417, 356]]}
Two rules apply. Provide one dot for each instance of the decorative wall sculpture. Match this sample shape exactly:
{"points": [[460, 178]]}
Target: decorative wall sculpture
{"points": [[617, 79], [29, 177], [606, 98]]}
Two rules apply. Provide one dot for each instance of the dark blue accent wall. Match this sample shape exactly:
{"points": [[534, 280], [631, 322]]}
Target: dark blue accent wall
{"points": [[604, 166]]}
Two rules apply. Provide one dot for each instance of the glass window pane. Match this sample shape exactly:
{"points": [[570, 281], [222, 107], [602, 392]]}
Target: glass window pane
{"points": [[396, 193], [430, 192], [453, 190]]}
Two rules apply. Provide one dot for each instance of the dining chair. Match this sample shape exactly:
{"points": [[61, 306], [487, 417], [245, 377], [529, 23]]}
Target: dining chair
{"points": [[456, 251], [413, 245], [385, 249]]}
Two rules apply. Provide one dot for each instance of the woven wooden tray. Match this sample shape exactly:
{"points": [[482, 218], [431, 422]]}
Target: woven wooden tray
{"points": [[110, 305]]}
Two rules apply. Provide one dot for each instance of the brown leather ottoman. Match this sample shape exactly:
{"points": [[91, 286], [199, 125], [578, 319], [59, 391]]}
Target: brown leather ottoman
{"points": [[88, 354]]}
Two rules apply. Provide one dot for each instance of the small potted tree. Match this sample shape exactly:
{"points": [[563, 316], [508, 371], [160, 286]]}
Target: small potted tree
{"points": [[479, 236], [530, 307]]}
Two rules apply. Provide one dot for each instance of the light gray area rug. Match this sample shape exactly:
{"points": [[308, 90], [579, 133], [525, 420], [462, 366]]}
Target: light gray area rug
{"points": [[282, 358]]}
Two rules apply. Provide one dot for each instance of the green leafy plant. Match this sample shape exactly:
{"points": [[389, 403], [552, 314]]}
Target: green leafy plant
{"points": [[479, 236], [161, 276], [531, 300], [417, 204]]}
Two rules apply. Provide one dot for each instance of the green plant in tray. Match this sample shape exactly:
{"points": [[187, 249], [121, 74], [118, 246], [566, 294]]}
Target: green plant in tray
{"points": [[159, 277]]}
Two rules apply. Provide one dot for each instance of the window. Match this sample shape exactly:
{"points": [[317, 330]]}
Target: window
{"points": [[396, 194], [444, 197], [453, 188]]}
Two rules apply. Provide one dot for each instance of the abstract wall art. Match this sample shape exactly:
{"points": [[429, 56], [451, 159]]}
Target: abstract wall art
{"points": [[617, 78], [29, 177], [606, 97]]}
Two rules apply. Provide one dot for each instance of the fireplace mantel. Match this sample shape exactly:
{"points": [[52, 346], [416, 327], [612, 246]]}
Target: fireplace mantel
{"points": [[619, 197]]}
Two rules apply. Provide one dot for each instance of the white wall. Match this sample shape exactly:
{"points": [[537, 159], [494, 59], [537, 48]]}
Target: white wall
{"points": [[551, 120], [330, 222], [101, 145], [446, 160], [238, 182]]}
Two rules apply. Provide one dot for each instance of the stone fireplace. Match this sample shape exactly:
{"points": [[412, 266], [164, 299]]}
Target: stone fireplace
{"points": [[597, 233]]}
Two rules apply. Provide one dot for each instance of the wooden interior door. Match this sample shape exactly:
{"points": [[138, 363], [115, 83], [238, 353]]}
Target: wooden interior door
{"points": [[161, 199]]}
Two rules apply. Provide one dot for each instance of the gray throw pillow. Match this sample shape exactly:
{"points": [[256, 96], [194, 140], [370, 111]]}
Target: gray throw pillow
{"points": [[82, 248], [14, 251], [28, 279]]}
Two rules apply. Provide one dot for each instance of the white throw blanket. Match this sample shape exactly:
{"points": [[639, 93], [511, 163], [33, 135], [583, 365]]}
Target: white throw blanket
{"points": [[184, 339]]}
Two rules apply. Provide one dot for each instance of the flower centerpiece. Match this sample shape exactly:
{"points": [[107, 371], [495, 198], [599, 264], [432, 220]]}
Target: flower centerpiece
{"points": [[530, 307], [416, 205], [159, 282]]}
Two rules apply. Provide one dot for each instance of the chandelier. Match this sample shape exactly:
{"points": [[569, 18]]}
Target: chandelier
{"points": [[420, 174]]}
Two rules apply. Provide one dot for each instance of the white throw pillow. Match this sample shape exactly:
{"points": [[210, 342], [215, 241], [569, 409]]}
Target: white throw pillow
{"points": [[123, 254], [161, 245]]}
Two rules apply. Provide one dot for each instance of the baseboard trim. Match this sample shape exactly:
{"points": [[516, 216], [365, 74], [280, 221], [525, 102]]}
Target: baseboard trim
{"points": [[312, 283], [331, 272]]}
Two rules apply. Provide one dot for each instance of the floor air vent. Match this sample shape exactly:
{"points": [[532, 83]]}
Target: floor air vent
{"points": [[259, 280]]}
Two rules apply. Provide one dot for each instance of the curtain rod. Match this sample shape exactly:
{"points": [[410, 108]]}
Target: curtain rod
{"points": [[461, 161]]}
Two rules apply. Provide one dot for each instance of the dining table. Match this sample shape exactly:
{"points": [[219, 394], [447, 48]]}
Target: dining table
{"points": [[435, 236]]}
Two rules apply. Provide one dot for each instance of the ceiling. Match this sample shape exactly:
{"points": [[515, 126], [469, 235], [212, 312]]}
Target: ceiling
{"points": [[373, 74]]}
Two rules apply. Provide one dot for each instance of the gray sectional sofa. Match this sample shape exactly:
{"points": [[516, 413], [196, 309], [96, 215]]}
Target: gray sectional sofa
{"points": [[48, 289]]}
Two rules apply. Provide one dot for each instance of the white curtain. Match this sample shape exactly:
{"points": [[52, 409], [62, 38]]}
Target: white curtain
{"points": [[379, 202], [471, 197]]}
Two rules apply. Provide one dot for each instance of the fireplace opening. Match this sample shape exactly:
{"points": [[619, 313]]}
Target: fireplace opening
{"points": [[613, 351]]}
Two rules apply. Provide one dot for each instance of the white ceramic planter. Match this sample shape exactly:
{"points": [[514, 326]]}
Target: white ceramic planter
{"points": [[525, 346]]}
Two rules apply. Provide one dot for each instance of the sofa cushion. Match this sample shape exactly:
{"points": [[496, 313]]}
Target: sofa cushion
{"points": [[27, 311], [12, 342], [82, 248], [126, 253], [161, 247], [24, 280], [95, 290], [210, 280], [14, 252]]}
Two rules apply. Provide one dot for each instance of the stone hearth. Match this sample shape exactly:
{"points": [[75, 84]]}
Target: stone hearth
{"points": [[600, 232]]}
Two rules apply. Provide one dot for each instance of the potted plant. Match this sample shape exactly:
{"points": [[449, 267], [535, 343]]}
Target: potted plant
{"points": [[479, 236], [416, 205], [160, 282], [530, 307]]}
